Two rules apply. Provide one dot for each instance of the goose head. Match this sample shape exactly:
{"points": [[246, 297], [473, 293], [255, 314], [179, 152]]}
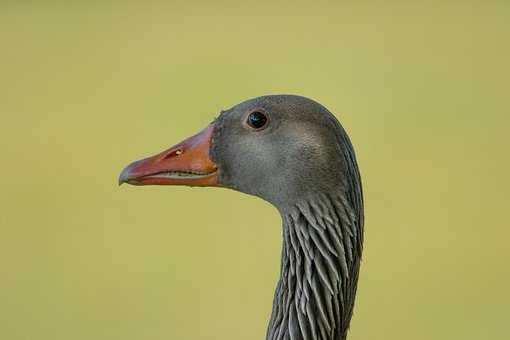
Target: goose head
{"points": [[292, 152], [281, 148]]}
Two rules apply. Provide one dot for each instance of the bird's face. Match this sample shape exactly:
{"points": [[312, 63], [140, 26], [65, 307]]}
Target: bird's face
{"points": [[279, 148]]}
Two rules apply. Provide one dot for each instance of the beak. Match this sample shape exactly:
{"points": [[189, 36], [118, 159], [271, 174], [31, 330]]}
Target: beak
{"points": [[186, 163]]}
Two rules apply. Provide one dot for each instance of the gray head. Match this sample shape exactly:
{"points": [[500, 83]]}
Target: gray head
{"points": [[281, 148]]}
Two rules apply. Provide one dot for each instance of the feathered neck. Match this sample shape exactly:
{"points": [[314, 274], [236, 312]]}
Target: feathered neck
{"points": [[322, 244]]}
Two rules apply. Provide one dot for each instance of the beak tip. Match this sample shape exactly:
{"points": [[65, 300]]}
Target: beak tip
{"points": [[124, 175]]}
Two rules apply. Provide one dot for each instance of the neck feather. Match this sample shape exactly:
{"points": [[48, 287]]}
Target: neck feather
{"points": [[322, 244]]}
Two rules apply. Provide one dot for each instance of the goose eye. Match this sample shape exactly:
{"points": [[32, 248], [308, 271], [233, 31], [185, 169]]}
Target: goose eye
{"points": [[257, 120]]}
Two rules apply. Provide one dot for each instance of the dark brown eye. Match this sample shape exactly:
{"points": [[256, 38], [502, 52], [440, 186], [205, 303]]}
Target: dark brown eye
{"points": [[257, 120]]}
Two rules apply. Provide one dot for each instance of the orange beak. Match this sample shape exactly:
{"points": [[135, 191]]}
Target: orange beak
{"points": [[186, 163]]}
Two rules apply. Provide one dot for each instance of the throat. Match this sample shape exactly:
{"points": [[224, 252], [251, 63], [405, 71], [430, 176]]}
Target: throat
{"points": [[322, 243]]}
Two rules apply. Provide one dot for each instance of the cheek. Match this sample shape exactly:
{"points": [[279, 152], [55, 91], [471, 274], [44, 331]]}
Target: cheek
{"points": [[251, 167]]}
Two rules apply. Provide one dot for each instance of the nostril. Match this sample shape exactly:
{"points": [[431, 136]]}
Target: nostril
{"points": [[173, 153]]}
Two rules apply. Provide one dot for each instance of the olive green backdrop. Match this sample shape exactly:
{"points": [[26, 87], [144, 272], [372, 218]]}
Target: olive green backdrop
{"points": [[87, 86]]}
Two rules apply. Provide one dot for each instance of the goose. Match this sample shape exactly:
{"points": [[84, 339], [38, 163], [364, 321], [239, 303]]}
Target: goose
{"points": [[292, 152]]}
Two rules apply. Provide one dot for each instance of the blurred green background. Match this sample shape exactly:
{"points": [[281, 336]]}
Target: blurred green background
{"points": [[87, 86]]}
